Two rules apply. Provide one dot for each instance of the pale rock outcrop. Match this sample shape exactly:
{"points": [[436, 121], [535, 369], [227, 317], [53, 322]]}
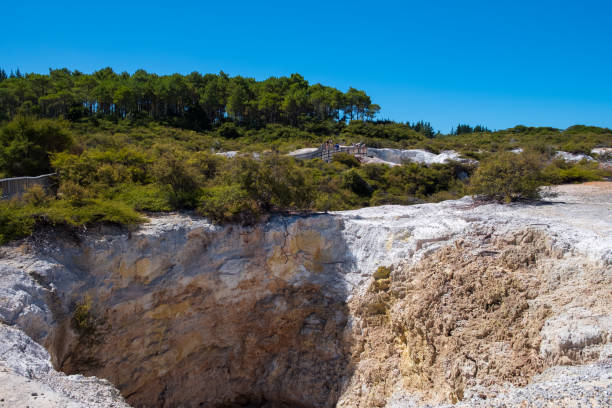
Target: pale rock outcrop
{"points": [[399, 156], [573, 157], [375, 160], [232, 154], [27, 378], [559, 386], [229, 154], [602, 151], [303, 151], [570, 336]]}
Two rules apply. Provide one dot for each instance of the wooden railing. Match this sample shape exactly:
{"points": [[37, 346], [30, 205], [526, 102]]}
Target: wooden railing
{"points": [[11, 187], [326, 154]]}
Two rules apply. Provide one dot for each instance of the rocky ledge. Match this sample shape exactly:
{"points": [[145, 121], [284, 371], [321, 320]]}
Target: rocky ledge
{"points": [[459, 302]]}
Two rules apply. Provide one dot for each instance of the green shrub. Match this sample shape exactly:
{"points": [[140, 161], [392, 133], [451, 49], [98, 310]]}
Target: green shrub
{"points": [[149, 197], [333, 198], [577, 147], [19, 218], [507, 177], [83, 321], [421, 181], [375, 172], [14, 222], [74, 193], [177, 171], [383, 272], [275, 182], [560, 171], [35, 195], [353, 181], [347, 159], [228, 204], [25, 144], [89, 212], [229, 131], [103, 168], [383, 197]]}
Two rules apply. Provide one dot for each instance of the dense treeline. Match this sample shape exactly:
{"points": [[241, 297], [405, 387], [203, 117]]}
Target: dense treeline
{"points": [[463, 129], [194, 101]]}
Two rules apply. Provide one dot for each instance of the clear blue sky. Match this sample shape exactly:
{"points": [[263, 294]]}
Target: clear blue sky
{"points": [[498, 63]]}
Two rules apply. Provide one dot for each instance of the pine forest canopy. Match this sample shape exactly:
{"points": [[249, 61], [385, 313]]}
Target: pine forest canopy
{"points": [[195, 101]]}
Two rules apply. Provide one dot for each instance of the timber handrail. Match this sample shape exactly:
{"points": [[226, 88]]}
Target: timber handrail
{"points": [[326, 153]]}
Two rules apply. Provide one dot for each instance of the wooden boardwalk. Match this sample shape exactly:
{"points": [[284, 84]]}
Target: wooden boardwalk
{"points": [[324, 153]]}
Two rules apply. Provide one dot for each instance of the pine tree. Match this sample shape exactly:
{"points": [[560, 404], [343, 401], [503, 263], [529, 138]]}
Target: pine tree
{"points": [[463, 129]]}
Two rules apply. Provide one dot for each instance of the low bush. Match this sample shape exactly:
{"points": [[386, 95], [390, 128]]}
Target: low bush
{"points": [[577, 147], [347, 159], [228, 204], [383, 272], [560, 172], [26, 142], [83, 320], [19, 217], [507, 177], [14, 223], [353, 181], [148, 197], [382, 197]]}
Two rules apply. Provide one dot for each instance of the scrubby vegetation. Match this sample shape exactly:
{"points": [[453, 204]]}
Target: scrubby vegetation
{"points": [[508, 176], [561, 172], [83, 321], [111, 182], [123, 145], [18, 217]]}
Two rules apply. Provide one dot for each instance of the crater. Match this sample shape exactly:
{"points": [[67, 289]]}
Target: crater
{"points": [[307, 312], [209, 317]]}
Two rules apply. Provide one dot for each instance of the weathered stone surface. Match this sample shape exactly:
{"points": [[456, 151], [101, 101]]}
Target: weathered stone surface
{"points": [[28, 379], [560, 386], [574, 334], [399, 156]]}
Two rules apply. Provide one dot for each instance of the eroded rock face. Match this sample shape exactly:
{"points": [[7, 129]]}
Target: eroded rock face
{"points": [[471, 315], [194, 315], [27, 378], [288, 313]]}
